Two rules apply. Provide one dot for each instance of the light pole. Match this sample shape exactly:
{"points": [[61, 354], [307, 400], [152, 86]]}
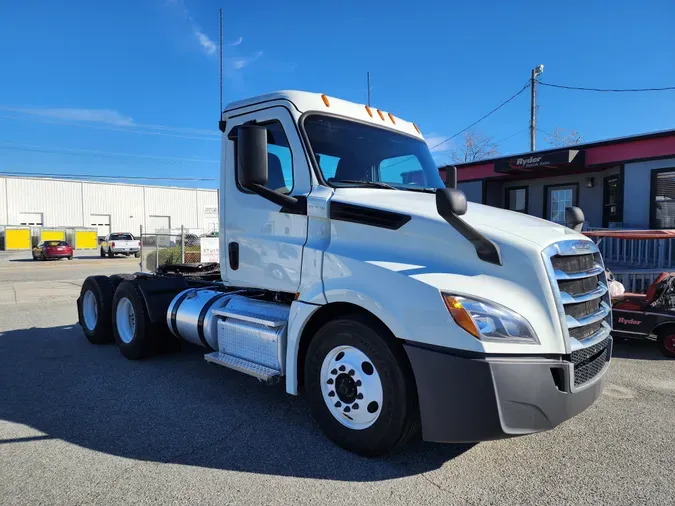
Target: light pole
{"points": [[538, 70]]}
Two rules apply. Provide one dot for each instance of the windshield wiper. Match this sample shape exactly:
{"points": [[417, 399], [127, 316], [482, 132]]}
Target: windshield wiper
{"points": [[420, 189], [374, 184]]}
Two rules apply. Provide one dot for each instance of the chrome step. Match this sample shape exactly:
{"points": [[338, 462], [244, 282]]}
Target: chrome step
{"points": [[239, 364]]}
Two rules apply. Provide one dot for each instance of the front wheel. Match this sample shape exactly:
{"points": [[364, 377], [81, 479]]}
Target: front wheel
{"points": [[360, 386], [110, 253], [666, 342]]}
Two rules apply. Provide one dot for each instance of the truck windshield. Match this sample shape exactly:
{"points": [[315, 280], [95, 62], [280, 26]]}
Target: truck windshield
{"points": [[351, 152]]}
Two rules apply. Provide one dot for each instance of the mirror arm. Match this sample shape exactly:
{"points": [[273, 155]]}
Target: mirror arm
{"points": [[285, 201]]}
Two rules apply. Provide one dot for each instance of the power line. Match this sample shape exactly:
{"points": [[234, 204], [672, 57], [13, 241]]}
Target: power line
{"points": [[100, 154], [607, 90], [68, 176], [512, 135], [110, 128], [483, 117]]}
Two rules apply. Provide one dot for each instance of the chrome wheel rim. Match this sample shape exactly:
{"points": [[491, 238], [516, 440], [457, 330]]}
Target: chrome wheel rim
{"points": [[126, 320], [89, 310], [351, 387]]}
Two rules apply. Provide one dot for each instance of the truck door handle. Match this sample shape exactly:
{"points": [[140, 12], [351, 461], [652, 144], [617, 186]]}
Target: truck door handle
{"points": [[233, 252]]}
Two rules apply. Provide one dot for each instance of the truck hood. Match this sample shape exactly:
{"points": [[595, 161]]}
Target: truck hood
{"points": [[497, 224]]}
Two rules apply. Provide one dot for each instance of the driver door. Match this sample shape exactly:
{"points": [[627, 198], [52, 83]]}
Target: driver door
{"points": [[264, 244]]}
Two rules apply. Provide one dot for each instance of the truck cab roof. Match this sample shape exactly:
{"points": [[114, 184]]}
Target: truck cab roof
{"points": [[305, 101]]}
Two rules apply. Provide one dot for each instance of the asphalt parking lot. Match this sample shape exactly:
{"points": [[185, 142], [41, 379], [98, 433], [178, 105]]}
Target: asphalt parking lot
{"points": [[79, 424]]}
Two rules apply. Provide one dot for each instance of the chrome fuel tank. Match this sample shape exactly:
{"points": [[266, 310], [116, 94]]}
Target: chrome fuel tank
{"points": [[190, 315]]}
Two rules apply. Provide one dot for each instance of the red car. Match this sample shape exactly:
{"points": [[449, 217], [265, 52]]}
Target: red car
{"points": [[52, 249]]}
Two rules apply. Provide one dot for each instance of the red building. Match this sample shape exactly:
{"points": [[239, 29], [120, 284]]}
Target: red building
{"points": [[627, 182]]}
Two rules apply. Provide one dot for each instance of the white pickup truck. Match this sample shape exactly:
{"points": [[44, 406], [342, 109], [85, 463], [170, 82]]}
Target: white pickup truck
{"points": [[120, 243], [350, 272]]}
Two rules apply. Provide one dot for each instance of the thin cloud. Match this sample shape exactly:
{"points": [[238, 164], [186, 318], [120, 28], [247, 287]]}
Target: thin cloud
{"points": [[433, 140], [236, 42], [240, 62], [108, 116], [207, 44]]}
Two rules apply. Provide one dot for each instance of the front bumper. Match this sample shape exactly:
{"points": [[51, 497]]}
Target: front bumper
{"points": [[470, 399]]}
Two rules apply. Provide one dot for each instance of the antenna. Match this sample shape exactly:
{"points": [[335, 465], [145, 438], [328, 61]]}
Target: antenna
{"points": [[221, 123]]}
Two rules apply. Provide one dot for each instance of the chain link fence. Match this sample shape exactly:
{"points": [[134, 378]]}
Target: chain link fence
{"points": [[175, 246]]}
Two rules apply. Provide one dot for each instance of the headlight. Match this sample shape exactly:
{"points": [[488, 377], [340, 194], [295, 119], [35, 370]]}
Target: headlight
{"points": [[489, 321]]}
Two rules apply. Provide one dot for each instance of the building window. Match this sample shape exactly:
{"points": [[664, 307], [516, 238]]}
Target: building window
{"points": [[662, 205], [516, 199], [559, 198], [612, 214]]}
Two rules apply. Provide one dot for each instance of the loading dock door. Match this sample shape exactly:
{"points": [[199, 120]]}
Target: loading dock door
{"points": [[86, 239], [156, 223], [102, 223], [33, 219]]}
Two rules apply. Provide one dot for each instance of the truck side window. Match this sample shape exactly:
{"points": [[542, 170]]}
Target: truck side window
{"points": [[279, 159]]}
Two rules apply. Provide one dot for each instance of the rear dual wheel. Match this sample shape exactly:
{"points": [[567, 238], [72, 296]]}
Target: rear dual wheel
{"points": [[136, 336]]}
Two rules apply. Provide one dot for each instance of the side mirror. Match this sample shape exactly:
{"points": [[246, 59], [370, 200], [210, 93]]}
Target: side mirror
{"points": [[252, 155], [451, 176], [450, 200], [574, 217]]}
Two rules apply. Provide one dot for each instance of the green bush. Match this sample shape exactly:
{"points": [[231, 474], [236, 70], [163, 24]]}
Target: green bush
{"points": [[170, 256]]}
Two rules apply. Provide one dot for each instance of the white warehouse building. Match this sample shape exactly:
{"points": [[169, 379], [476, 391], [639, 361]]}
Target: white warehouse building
{"points": [[108, 207]]}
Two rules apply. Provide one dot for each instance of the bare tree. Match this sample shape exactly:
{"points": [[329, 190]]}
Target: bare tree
{"points": [[559, 138], [475, 146]]}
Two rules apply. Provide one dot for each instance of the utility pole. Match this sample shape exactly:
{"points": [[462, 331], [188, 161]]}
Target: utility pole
{"points": [[533, 104], [368, 89]]}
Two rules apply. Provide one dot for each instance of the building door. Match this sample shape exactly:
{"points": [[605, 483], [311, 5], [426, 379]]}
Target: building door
{"points": [[611, 200], [33, 219], [157, 223], [559, 198], [102, 223]]}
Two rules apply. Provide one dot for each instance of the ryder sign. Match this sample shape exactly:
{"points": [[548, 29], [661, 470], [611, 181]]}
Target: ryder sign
{"points": [[563, 158]]}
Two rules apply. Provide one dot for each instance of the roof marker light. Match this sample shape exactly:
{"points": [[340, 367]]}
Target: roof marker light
{"points": [[370, 113], [325, 100], [391, 117], [381, 115]]}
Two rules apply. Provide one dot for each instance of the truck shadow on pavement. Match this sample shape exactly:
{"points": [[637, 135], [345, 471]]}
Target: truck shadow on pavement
{"points": [[176, 408], [637, 349]]}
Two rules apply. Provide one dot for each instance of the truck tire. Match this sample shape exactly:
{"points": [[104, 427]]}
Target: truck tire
{"points": [[110, 253], [116, 279], [137, 255], [665, 340], [135, 335], [360, 386], [94, 309]]}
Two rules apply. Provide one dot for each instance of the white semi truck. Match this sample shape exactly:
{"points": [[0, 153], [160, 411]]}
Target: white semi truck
{"points": [[350, 271]]}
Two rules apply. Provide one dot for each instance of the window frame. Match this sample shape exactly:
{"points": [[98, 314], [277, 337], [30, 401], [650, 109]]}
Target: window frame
{"points": [[507, 198], [310, 150], [547, 200], [236, 158], [652, 194]]}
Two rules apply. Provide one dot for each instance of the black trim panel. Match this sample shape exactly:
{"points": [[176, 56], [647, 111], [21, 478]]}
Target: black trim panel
{"points": [[174, 312], [202, 316], [367, 216]]}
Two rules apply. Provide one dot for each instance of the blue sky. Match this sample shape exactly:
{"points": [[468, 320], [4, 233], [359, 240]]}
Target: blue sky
{"points": [[140, 77]]}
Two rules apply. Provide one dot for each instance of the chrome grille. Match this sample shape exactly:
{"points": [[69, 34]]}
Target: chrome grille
{"points": [[577, 275]]}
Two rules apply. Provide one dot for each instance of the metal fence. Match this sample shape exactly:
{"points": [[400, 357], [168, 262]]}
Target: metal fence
{"points": [[636, 281], [653, 253], [168, 247]]}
